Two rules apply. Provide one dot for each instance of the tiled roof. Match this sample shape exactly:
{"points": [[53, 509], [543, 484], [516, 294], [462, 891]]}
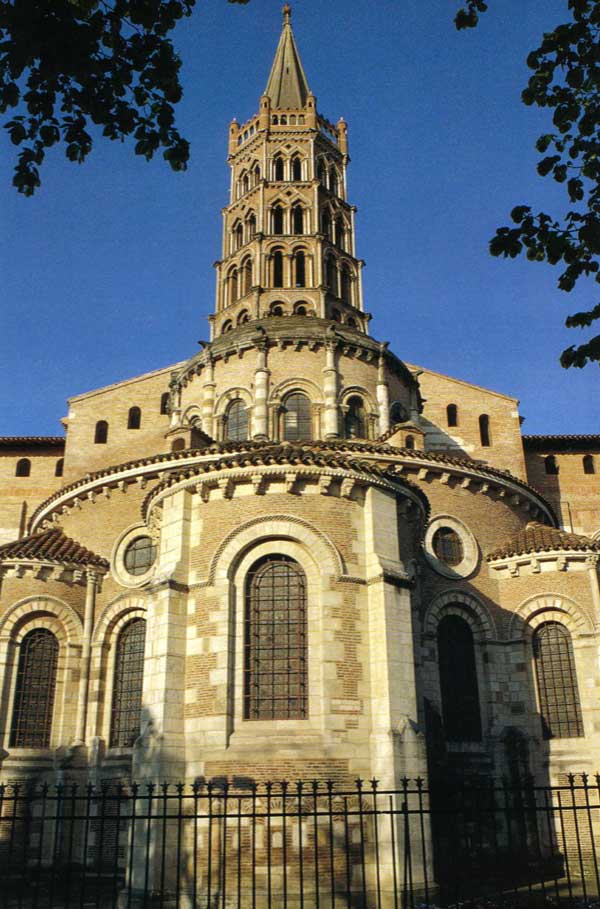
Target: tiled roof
{"points": [[22, 441], [561, 443], [537, 537], [51, 546]]}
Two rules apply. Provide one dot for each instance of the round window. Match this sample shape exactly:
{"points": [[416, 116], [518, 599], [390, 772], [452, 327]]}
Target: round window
{"points": [[139, 555], [447, 546]]}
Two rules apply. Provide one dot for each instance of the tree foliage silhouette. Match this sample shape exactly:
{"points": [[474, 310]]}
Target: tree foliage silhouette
{"points": [[566, 79]]}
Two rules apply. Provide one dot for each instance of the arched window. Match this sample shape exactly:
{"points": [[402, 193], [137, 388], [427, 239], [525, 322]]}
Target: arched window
{"points": [[227, 326], [277, 309], [398, 413], [297, 417], [257, 174], [238, 237], [588, 464], [333, 180], [134, 418], [452, 415], [178, 445], [236, 421], [251, 224], [339, 232], [296, 169], [101, 433], [458, 680], [300, 269], [35, 689], [298, 220], [164, 402], [355, 421], [275, 641], [331, 275], [23, 468], [300, 308], [278, 268], [127, 686], [233, 286], [246, 277], [278, 169], [277, 218], [346, 284], [326, 224], [59, 468], [550, 465], [558, 693], [245, 183], [484, 430], [243, 317], [322, 172], [409, 442]]}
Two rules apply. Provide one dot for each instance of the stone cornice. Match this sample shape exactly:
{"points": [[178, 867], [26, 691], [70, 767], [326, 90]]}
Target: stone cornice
{"points": [[542, 562], [50, 571], [369, 459]]}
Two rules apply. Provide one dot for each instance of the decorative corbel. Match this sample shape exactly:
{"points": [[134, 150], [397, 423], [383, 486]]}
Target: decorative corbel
{"points": [[325, 482], [259, 483], [227, 486]]}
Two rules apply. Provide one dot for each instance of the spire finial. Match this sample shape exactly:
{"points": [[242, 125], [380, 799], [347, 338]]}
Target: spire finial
{"points": [[287, 14]]}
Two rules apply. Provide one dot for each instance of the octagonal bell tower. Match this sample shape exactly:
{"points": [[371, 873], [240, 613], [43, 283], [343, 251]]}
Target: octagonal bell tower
{"points": [[288, 231]]}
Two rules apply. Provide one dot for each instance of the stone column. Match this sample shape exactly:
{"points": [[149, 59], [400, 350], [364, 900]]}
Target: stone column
{"points": [[383, 393], [260, 418], [86, 654], [208, 398], [330, 392]]}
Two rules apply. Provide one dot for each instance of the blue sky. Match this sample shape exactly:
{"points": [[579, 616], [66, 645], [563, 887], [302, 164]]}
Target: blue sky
{"points": [[107, 271]]}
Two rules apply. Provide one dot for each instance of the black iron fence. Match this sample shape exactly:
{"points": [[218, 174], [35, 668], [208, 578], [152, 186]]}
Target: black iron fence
{"points": [[301, 845]]}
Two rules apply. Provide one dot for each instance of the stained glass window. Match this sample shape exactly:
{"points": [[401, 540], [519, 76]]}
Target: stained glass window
{"points": [[35, 690], [296, 417], [275, 668], [557, 682], [128, 681]]}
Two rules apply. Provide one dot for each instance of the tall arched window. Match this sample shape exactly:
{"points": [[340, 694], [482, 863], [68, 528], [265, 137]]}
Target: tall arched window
{"points": [[257, 174], [458, 680], [333, 180], [277, 268], [297, 417], [588, 464], [164, 402], [275, 641], [59, 467], [550, 465], [134, 418], [409, 442], [232, 282], [331, 275], [355, 421], [278, 169], [339, 232], [298, 220], [236, 421], [452, 415], [101, 432], [246, 277], [296, 169], [238, 237], [484, 430], [558, 692], [251, 226], [277, 217], [35, 689], [127, 685], [300, 269], [326, 224], [345, 284], [322, 172], [23, 468]]}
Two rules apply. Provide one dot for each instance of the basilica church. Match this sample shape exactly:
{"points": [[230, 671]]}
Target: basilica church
{"points": [[294, 555]]}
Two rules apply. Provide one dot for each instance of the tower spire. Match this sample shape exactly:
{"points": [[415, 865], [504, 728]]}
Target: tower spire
{"points": [[287, 87]]}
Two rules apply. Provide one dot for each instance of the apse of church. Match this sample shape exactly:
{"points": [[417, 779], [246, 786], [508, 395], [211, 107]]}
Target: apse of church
{"points": [[293, 555]]}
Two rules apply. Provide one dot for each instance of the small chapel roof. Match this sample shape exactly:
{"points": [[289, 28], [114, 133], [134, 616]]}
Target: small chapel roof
{"points": [[51, 546], [287, 86], [536, 537]]}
